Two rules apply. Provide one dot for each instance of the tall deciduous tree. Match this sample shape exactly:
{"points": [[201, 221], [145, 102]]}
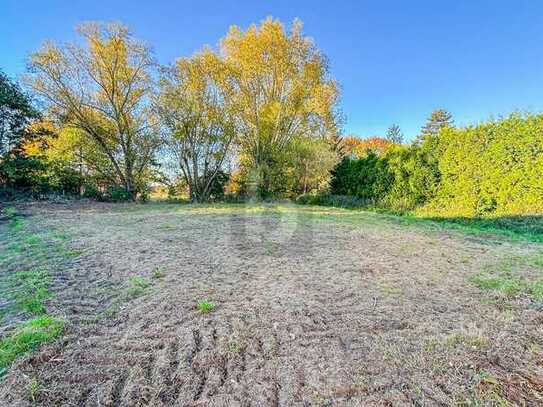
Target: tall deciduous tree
{"points": [[281, 90], [102, 89], [193, 104]]}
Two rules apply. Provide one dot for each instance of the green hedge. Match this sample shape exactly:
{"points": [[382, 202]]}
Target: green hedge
{"points": [[490, 169]]}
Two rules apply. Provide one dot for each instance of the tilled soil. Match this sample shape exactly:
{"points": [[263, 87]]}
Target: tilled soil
{"points": [[309, 310]]}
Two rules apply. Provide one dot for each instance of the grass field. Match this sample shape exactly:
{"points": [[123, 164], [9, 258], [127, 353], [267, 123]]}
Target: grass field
{"points": [[280, 305]]}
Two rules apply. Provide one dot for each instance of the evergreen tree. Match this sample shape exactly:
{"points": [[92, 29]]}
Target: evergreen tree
{"points": [[439, 119], [394, 134]]}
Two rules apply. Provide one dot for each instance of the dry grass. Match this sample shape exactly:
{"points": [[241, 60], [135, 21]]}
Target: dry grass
{"points": [[310, 307]]}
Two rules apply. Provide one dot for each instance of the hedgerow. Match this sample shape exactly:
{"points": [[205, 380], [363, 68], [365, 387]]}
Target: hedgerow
{"points": [[491, 169]]}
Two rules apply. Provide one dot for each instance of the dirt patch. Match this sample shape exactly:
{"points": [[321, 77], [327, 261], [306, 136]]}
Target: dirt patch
{"points": [[310, 309]]}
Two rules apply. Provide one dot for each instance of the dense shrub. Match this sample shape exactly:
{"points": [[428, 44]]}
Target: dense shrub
{"points": [[400, 179], [117, 194], [414, 177], [491, 169], [366, 178]]}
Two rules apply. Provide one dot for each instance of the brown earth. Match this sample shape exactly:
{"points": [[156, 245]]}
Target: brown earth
{"points": [[313, 307]]}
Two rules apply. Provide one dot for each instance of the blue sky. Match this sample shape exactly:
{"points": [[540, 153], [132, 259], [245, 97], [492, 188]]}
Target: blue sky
{"points": [[396, 61]]}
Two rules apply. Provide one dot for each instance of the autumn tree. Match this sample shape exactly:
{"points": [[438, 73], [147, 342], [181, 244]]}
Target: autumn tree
{"points": [[194, 107], [102, 90], [70, 157], [281, 90], [360, 147], [394, 134]]}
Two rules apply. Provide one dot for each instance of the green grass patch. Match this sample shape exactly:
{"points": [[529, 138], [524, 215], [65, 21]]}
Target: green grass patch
{"points": [[27, 288], [30, 290], [32, 240], [140, 282], [10, 212], [519, 227], [137, 287], [472, 341], [510, 286], [505, 276], [27, 337], [16, 225], [205, 306]]}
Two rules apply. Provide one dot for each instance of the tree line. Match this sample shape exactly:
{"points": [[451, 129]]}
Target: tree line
{"points": [[256, 116], [261, 110], [494, 168]]}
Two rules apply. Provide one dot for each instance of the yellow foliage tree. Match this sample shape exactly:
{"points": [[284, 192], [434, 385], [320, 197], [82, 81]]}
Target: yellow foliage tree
{"points": [[281, 89], [193, 104], [102, 90]]}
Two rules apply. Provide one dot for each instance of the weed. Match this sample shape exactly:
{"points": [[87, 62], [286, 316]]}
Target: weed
{"points": [[33, 389], [140, 282], [10, 212], [318, 399], [535, 289], [489, 390], [28, 336], [205, 306], [16, 225], [233, 346], [137, 288], [32, 240], [61, 236], [431, 345], [534, 348], [135, 292], [111, 311], [459, 338], [158, 273], [388, 290], [74, 253]]}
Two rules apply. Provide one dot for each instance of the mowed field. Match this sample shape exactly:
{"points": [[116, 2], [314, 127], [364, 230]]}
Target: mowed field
{"points": [[279, 305]]}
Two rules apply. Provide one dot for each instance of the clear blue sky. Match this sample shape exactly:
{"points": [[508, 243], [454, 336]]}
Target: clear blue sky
{"points": [[395, 60]]}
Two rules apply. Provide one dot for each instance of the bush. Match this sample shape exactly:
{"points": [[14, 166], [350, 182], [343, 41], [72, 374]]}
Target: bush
{"points": [[366, 178], [116, 194]]}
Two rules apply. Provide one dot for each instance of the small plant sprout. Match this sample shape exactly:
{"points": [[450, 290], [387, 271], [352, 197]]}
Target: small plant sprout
{"points": [[139, 282], [205, 306], [233, 346], [33, 389], [137, 287], [158, 273], [10, 213]]}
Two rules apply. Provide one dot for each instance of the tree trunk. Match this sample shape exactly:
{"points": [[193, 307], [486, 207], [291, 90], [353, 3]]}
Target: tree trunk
{"points": [[129, 182]]}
